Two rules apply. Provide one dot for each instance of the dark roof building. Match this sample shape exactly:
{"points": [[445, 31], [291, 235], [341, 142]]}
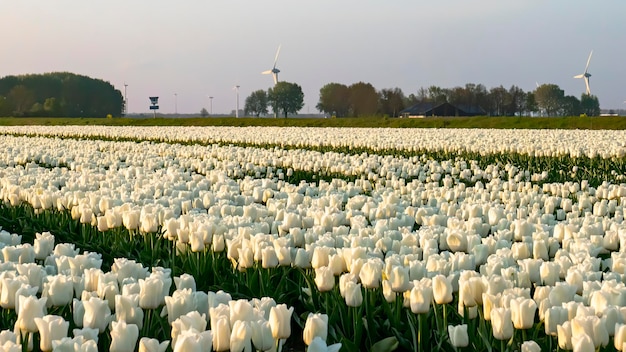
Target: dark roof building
{"points": [[442, 109]]}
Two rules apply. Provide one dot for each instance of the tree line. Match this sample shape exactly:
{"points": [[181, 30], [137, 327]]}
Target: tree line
{"points": [[362, 99], [58, 94]]}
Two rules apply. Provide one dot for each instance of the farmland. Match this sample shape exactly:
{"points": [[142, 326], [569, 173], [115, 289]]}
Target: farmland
{"points": [[181, 237]]}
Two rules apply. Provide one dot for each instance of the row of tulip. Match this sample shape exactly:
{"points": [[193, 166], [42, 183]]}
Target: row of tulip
{"points": [[111, 310], [574, 143], [552, 167], [374, 247]]}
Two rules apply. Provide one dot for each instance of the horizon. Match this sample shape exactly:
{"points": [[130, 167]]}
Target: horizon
{"points": [[185, 53]]}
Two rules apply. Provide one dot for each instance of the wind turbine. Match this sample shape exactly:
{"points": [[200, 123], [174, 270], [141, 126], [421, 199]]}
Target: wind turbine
{"points": [[586, 74], [274, 71]]}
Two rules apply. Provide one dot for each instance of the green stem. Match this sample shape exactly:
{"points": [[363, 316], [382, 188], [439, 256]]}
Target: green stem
{"points": [[423, 335], [410, 318]]}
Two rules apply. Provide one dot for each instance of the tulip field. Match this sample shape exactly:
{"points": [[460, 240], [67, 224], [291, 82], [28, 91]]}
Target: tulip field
{"points": [[311, 239]]}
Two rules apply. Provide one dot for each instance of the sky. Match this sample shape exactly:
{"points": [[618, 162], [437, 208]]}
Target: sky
{"points": [[186, 51]]}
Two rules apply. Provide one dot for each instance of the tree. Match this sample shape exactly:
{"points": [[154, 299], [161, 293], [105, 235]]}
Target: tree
{"points": [[570, 106], [22, 99], [437, 95], [517, 103], [363, 99], [549, 98], [531, 103], [391, 101], [52, 107], [256, 103], [6, 108], [204, 112], [286, 97], [334, 99], [499, 98], [60, 94], [589, 105]]}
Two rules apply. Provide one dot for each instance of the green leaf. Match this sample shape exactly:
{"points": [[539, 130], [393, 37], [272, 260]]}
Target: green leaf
{"points": [[349, 346], [385, 345]]}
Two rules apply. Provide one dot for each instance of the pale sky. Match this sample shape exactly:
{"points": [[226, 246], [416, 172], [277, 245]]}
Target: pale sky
{"points": [[197, 48]]}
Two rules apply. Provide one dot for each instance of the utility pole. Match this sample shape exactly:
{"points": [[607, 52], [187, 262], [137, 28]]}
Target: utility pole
{"points": [[237, 110], [125, 100]]}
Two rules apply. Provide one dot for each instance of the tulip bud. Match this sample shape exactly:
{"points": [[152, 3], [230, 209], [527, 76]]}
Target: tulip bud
{"points": [[51, 327], [324, 279], [193, 341], [554, 317], [152, 345], [241, 336], [530, 346], [523, 312], [280, 321], [185, 281], [123, 336], [30, 307], [582, 343], [352, 294], [127, 309], [221, 334], [442, 289], [43, 245], [501, 323], [59, 289], [319, 345], [316, 326], [240, 310], [262, 338], [399, 278], [458, 335], [97, 314], [180, 303], [420, 298]]}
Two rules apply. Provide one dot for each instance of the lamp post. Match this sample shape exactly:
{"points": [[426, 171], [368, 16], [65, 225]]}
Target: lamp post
{"points": [[125, 100], [176, 104], [237, 110]]}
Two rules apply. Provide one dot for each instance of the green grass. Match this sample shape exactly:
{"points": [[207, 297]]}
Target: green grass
{"points": [[610, 122]]}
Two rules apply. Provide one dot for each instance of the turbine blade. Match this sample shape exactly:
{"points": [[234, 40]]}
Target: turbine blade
{"points": [[275, 78], [588, 60], [276, 58], [580, 76], [587, 84], [266, 72]]}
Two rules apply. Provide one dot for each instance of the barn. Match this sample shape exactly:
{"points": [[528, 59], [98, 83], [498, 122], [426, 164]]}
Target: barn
{"points": [[426, 109]]}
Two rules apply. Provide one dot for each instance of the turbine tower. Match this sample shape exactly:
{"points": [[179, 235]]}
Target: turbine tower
{"points": [[274, 71], [586, 74]]}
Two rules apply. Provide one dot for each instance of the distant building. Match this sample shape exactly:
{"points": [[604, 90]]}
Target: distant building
{"points": [[426, 109]]}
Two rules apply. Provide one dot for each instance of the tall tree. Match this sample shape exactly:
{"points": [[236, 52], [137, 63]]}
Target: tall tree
{"points": [[334, 99], [570, 106], [589, 105], [204, 112], [363, 99], [549, 98], [61, 94], [22, 99], [256, 103], [499, 98], [531, 103], [517, 103], [391, 101], [286, 98], [437, 94]]}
